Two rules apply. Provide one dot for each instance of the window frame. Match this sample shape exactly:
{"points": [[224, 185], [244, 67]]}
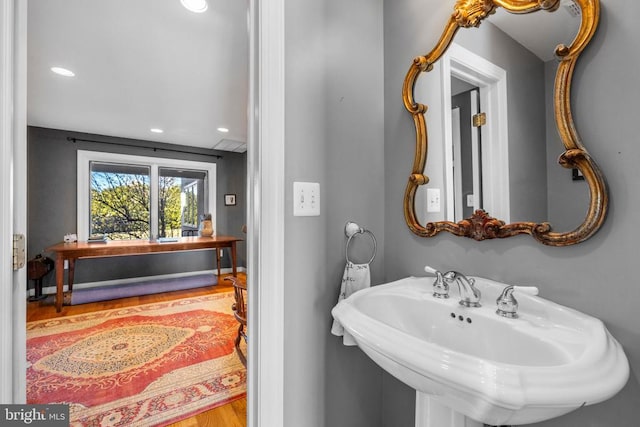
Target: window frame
{"points": [[84, 158]]}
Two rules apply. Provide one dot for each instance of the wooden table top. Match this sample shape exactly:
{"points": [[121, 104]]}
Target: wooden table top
{"points": [[137, 247]]}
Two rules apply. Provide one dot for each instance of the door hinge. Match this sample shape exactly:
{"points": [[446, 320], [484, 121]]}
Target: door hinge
{"points": [[479, 119], [18, 251]]}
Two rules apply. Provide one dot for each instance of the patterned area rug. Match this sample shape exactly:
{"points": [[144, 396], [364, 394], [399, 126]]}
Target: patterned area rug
{"points": [[148, 365]]}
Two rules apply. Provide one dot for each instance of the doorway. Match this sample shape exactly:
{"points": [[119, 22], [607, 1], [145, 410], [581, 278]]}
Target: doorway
{"points": [[491, 182], [467, 149], [140, 41], [265, 247]]}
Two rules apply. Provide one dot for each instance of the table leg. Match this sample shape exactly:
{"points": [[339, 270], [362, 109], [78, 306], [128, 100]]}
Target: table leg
{"points": [[233, 259], [59, 281], [218, 261], [72, 274]]}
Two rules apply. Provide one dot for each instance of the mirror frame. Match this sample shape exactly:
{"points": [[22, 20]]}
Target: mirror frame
{"points": [[481, 226]]}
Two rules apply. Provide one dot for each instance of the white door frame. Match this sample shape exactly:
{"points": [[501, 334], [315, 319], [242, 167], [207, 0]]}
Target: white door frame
{"points": [[478, 170], [265, 215], [492, 81], [13, 184], [456, 194]]}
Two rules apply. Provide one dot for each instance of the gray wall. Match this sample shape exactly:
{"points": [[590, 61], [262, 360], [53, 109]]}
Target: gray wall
{"points": [[52, 168], [567, 200], [598, 276], [334, 136]]}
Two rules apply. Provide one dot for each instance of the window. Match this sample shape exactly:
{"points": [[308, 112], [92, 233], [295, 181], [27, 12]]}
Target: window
{"points": [[181, 203], [119, 201], [133, 197]]}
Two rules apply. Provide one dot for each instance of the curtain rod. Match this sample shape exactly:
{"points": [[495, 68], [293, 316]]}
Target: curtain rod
{"points": [[74, 140]]}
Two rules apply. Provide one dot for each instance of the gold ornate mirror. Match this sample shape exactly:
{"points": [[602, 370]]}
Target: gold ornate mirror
{"points": [[582, 174]]}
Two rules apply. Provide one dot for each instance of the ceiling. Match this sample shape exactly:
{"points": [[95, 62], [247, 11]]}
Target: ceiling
{"points": [[542, 31], [141, 64]]}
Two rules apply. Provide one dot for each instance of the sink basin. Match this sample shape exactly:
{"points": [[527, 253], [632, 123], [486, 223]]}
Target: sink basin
{"points": [[495, 370]]}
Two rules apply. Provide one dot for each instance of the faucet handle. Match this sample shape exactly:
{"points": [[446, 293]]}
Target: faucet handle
{"points": [[440, 287], [507, 303], [529, 290], [430, 270]]}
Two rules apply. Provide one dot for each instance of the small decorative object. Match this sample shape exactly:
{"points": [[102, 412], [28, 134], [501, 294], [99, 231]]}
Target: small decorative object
{"points": [[206, 226], [70, 238], [229, 199]]}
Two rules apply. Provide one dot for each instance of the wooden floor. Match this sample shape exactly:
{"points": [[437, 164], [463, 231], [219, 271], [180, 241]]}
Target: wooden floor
{"points": [[233, 414]]}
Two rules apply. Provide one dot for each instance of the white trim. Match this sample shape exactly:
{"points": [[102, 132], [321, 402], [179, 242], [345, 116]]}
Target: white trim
{"points": [[153, 213], [492, 81], [457, 197], [13, 195], [447, 129], [84, 157], [20, 201], [6, 195], [475, 153], [265, 216]]}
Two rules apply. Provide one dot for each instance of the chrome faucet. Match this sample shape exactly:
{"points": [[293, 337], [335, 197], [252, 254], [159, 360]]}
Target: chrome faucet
{"points": [[469, 294]]}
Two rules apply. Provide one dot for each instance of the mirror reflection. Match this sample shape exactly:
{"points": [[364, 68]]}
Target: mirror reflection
{"points": [[495, 145]]}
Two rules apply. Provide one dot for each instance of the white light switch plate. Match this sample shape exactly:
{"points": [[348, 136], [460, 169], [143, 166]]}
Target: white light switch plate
{"points": [[433, 200], [306, 199], [470, 201]]}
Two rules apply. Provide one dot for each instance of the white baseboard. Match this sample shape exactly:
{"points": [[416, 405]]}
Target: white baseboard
{"points": [[104, 283]]}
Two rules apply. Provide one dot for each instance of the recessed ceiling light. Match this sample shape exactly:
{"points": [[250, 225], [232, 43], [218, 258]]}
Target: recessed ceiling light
{"points": [[63, 71], [223, 130], [197, 6], [156, 130]]}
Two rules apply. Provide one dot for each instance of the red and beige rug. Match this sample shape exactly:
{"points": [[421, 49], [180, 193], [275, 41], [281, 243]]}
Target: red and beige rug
{"points": [[148, 365]]}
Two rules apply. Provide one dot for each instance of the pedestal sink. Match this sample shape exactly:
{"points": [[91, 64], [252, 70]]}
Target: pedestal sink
{"points": [[470, 366]]}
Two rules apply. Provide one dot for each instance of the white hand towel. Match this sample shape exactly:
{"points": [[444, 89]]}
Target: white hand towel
{"points": [[355, 277]]}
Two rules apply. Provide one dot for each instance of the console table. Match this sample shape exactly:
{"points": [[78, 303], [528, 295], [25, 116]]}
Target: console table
{"points": [[76, 250]]}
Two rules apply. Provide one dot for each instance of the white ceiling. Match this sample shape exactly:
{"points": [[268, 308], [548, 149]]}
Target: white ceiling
{"points": [[140, 64], [143, 64], [542, 31]]}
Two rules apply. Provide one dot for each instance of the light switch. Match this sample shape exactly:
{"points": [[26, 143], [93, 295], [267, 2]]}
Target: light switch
{"points": [[306, 199], [471, 202], [433, 200]]}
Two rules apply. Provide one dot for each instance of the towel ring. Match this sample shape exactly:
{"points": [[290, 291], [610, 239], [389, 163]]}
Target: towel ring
{"points": [[373, 238]]}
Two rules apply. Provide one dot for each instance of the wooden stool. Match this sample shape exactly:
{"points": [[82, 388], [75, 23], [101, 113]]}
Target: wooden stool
{"points": [[37, 268]]}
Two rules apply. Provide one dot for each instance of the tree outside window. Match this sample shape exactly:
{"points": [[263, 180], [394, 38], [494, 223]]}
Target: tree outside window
{"points": [[120, 201]]}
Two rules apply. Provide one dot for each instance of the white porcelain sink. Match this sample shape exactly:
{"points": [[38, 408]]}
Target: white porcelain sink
{"points": [[547, 362]]}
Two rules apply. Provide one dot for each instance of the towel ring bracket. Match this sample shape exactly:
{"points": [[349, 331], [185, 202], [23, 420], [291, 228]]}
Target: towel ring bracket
{"points": [[355, 232]]}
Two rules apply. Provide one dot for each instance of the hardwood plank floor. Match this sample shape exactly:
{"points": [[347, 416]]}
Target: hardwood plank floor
{"points": [[233, 414]]}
